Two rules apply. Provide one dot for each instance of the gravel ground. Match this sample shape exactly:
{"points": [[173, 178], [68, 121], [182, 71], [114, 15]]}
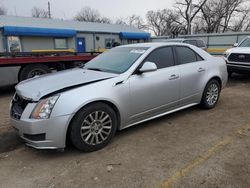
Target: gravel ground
{"points": [[190, 148]]}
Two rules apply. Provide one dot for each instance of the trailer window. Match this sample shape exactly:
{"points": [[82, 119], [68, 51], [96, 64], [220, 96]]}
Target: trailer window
{"points": [[61, 43], [14, 44]]}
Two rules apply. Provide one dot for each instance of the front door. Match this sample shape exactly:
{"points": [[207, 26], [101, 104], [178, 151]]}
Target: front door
{"points": [[80, 43], [156, 92]]}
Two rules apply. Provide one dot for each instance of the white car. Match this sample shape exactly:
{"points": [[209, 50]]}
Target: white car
{"points": [[238, 58]]}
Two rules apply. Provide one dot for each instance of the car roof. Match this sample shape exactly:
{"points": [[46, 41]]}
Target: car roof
{"points": [[155, 44]]}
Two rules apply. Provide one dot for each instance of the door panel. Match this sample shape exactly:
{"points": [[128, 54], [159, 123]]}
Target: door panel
{"points": [[153, 93], [80, 45], [192, 76]]}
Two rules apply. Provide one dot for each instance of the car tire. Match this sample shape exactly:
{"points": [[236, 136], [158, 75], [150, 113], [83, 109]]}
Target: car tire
{"points": [[211, 94], [93, 127], [30, 71]]}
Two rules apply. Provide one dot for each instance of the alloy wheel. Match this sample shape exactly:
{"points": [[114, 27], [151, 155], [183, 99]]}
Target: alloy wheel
{"points": [[96, 127], [212, 94]]}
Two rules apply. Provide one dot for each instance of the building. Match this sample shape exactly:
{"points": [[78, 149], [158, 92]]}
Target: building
{"points": [[26, 34]]}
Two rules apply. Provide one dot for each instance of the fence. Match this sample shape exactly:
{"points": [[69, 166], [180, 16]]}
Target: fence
{"points": [[216, 43]]}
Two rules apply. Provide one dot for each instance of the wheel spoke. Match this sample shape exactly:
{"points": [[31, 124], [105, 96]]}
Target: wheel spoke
{"points": [[102, 120], [106, 127], [105, 132], [96, 138], [84, 134], [88, 137], [92, 139], [91, 117], [101, 136], [96, 115], [87, 122], [101, 116], [107, 122], [85, 127]]}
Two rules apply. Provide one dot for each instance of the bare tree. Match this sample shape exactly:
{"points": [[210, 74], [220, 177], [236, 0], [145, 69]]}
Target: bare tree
{"points": [[121, 21], [231, 6], [3, 11], [87, 14], [242, 22], [213, 14], [188, 9], [219, 16], [136, 21], [39, 13], [133, 20], [163, 22]]}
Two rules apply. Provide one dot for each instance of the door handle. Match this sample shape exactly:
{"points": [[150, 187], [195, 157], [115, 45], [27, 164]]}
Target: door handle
{"points": [[173, 77], [201, 69]]}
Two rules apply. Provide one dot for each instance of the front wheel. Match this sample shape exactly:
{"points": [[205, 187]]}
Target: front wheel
{"points": [[93, 127], [211, 94]]}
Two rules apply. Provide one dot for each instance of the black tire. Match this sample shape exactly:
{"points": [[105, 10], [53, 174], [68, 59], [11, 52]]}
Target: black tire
{"points": [[30, 71], [76, 131], [204, 101]]}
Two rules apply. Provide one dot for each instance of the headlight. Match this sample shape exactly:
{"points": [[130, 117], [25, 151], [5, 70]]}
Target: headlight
{"points": [[226, 54], [44, 108]]}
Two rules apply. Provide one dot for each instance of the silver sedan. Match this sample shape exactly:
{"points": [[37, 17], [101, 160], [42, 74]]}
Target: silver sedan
{"points": [[125, 86]]}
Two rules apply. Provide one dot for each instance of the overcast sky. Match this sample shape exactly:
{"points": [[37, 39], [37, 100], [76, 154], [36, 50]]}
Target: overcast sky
{"points": [[67, 9]]}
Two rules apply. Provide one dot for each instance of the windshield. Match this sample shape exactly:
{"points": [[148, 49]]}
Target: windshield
{"points": [[116, 60], [245, 43]]}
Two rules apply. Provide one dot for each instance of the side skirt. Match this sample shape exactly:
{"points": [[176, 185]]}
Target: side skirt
{"points": [[159, 115]]}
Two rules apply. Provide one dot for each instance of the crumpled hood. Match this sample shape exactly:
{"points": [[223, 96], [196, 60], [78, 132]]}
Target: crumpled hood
{"points": [[244, 50], [35, 88]]}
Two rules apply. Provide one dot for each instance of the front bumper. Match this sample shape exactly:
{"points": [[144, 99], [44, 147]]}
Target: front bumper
{"points": [[43, 134], [244, 69]]}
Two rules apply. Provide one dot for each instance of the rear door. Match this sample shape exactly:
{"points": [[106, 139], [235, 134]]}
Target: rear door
{"points": [[155, 92], [192, 74]]}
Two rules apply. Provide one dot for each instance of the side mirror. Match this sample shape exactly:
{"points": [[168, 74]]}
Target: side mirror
{"points": [[148, 67], [235, 44]]}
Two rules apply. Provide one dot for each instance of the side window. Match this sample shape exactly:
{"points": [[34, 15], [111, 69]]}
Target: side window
{"points": [[14, 44], [162, 57], [61, 43], [186, 55], [193, 42]]}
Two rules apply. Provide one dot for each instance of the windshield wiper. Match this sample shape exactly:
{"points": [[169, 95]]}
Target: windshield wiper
{"points": [[95, 69]]}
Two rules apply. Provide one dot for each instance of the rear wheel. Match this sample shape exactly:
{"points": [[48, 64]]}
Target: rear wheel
{"points": [[211, 94], [93, 127], [30, 71]]}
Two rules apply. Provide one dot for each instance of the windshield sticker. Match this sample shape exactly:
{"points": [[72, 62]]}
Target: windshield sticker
{"points": [[138, 51]]}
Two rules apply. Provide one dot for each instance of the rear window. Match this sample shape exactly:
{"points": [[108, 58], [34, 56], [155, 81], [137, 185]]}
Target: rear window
{"points": [[186, 55]]}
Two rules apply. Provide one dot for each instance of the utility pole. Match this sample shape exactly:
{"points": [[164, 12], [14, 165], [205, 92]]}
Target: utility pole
{"points": [[189, 17], [49, 9]]}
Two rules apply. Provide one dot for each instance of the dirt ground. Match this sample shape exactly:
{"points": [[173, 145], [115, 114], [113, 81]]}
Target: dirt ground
{"points": [[190, 148]]}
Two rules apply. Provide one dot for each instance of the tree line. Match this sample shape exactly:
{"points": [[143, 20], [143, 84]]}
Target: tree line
{"points": [[186, 17]]}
